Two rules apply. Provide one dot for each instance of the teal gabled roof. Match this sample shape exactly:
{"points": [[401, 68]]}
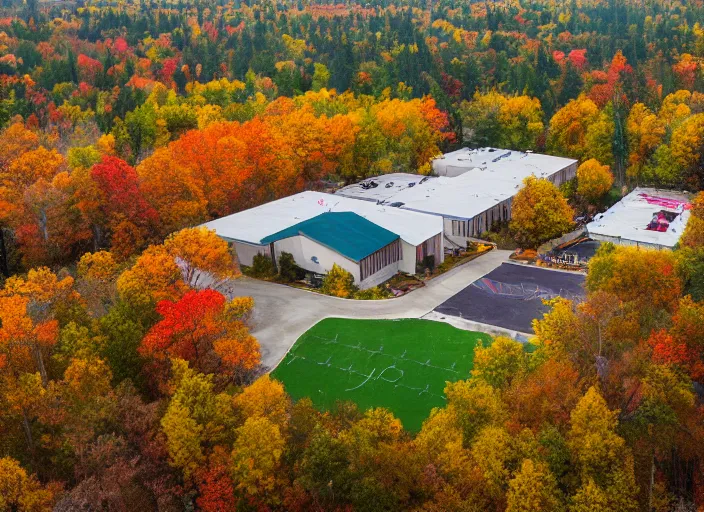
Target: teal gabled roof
{"points": [[346, 233]]}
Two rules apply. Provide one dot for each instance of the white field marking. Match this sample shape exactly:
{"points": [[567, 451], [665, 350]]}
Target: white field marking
{"points": [[367, 378], [393, 366], [363, 383]]}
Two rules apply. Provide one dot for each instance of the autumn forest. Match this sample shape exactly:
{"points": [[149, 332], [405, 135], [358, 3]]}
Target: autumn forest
{"points": [[127, 383]]}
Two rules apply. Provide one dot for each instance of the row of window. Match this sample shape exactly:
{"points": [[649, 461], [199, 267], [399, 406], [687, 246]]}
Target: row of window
{"points": [[482, 222], [380, 259]]}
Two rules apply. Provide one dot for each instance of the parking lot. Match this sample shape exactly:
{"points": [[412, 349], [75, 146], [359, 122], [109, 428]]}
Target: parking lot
{"points": [[511, 296]]}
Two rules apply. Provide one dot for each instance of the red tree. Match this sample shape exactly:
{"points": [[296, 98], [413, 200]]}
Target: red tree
{"points": [[216, 491], [119, 186], [683, 345], [202, 329]]}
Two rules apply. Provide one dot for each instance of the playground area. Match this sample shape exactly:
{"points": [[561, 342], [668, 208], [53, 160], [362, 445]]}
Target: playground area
{"points": [[512, 295], [401, 365]]}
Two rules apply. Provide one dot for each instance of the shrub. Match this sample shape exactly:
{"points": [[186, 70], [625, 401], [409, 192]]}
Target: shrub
{"points": [[429, 262], [338, 283], [375, 293], [262, 267], [288, 270], [240, 308]]}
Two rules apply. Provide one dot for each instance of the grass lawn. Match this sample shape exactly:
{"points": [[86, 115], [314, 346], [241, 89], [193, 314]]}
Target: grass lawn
{"points": [[401, 365]]}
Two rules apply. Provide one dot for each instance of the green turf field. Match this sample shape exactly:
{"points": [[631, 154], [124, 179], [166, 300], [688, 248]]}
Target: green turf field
{"points": [[398, 364]]}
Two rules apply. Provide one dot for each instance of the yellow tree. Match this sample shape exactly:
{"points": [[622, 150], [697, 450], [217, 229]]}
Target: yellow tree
{"points": [[500, 362], [533, 488], [645, 132], [203, 256], [481, 116], [265, 398], [194, 419], [601, 456], [31, 305], [645, 278], [97, 277], [322, 143], [472, 405], [693, 236], [539, 212], [154, 277], [580, 130], [256, 458], [338, 282], [593, 180], [675, 108], [492, 452], [521, 119], [21, 491], [687, 147]]}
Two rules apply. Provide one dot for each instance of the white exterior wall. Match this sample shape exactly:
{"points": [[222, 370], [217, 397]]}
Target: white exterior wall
{"points": [[625, 241], [246, 252], [303, 249], [564, 175], [459, 240], [408, 263]]}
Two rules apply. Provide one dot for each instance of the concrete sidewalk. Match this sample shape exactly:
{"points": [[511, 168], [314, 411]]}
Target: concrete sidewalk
{"points": [[282, 313]]}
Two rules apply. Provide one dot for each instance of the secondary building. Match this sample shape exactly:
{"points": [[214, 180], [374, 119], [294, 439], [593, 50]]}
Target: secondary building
{"points": [[281, 226], [473, 190], [367, 251], [554, 168], [646, 217]]}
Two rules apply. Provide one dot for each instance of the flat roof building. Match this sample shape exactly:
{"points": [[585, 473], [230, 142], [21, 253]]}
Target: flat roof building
{"points": [[494, 159], [473, 189], [261, 230], [646, 217]]}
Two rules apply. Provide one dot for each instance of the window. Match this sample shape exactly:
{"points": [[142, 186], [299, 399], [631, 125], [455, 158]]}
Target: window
{"points": [[459, 228]]}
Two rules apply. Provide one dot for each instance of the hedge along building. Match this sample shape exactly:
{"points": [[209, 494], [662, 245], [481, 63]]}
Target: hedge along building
{"points": [[473, 189], [419, 235]]}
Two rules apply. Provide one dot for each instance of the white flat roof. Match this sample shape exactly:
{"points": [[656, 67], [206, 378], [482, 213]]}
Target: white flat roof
{"points": [[463, 196], [252, 225], [462, 160], [629, 218]]}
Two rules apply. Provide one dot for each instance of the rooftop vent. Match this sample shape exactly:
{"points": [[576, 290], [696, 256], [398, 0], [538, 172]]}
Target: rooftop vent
{"points": [[501, 156]]}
